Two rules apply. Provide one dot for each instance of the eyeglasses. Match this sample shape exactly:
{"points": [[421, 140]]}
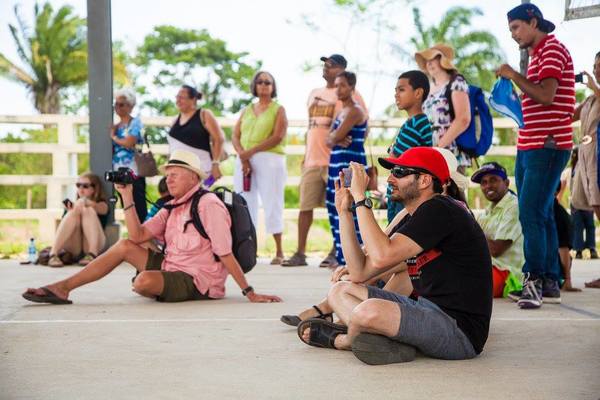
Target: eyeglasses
{"points": [[266, 83], [401, 172], [120, 105], [84, 185]]}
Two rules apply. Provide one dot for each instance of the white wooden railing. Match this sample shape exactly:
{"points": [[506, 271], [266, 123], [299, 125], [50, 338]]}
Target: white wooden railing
{"points": [[65, 152]]}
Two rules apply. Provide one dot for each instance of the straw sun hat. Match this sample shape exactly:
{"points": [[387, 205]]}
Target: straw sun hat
{"points": [[445, 52], [184, 159]]}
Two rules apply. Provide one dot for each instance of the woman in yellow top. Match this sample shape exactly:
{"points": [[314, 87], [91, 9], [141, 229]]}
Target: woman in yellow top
{"points": [[260, 169]]}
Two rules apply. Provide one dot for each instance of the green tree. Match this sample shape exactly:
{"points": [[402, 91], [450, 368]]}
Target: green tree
{"points": [[54, 55], [174, 56], [477, 51]]}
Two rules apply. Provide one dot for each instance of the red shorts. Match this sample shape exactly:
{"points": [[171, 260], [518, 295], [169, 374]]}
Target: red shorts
{"points": [[499, 278]]}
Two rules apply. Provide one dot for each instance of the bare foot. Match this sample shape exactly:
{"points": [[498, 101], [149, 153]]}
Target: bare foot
{"points": [[595, 284], [568, 287], [341, 342]]}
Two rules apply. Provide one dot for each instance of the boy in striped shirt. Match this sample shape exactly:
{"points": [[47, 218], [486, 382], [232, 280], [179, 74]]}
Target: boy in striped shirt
{"points": [[543, 147], [412, 89]]}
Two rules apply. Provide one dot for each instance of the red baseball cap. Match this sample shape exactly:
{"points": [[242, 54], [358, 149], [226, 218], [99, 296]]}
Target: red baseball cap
{"points": [[426, 159]]}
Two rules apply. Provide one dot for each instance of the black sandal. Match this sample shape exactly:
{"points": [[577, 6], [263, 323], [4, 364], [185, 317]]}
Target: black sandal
{"points": [[322, 333], [294, 320]]}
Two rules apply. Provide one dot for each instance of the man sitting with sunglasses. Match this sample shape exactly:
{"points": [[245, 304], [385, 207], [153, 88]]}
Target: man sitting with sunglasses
{"points": [[446, 308]]}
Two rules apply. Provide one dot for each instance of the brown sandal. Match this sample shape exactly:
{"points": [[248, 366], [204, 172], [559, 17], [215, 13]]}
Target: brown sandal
{"points": [[88, 258], [296, 260]]}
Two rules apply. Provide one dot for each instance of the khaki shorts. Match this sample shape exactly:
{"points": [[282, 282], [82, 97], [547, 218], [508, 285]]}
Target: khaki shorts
{"points": [[178, 286], [313, 184]]}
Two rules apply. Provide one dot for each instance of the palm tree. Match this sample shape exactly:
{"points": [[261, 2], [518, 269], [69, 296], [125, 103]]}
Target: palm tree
{"points": [[477, 51], [54, 55]]}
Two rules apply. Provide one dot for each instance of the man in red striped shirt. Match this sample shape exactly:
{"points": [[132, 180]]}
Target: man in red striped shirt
{"points": [[543, 147]]}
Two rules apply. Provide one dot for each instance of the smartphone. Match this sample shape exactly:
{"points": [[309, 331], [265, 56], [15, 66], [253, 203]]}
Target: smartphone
{"points": [[347, 176], [68, 203], [579, 77]]}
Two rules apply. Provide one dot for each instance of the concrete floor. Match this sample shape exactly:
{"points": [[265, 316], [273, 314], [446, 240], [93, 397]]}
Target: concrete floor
{"points": [[114, 344]]}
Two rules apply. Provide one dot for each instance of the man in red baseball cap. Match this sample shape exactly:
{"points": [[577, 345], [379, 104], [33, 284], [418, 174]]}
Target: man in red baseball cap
{"points": [[444, 271]]}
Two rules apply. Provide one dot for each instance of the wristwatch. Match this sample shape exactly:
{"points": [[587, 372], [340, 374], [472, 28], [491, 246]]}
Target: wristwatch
{"points": [[247, 290], [367, 202]]}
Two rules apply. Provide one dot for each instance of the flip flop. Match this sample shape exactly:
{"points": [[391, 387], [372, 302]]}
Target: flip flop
{"points": [[322, 333], [380, 350], [296, 260], [48, 297], [294, 320]]}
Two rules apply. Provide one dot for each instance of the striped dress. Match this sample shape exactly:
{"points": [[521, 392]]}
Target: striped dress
{"points": [[340, 158]]}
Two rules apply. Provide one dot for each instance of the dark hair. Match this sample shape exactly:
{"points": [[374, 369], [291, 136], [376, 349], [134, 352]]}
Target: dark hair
{"points": [[452, 190], [349, 76], [192, 92], [437, 185], [253, 84], [417, 80], [597, 54], [162, 185]]}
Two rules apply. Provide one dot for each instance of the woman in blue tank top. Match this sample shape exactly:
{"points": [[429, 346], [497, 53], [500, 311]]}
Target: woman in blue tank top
{"points": [[347, 138]]}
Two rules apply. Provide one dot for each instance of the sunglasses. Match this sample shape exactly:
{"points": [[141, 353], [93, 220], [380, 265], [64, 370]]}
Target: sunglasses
{"points": [[266, 83], [84, 185], [401, 172]]}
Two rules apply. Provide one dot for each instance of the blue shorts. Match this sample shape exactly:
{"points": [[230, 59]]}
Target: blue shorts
{"points": [[425, 326]]}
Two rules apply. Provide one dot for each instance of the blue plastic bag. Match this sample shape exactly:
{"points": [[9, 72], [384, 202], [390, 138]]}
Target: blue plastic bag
{"points": [[505, 100]]}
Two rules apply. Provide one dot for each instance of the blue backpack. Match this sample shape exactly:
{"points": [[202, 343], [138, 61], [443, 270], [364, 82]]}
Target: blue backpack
{"points": [[477, 138]]}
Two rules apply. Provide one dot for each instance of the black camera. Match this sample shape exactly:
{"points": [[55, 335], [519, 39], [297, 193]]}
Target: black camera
{"points": [[122, 176], [579, 77]]}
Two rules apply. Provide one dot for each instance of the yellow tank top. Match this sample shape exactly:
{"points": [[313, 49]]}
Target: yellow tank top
{"points": [[255, 130]]}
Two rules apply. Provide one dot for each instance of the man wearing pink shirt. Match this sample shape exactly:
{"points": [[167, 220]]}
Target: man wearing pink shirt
{"points": [[188, 269]]}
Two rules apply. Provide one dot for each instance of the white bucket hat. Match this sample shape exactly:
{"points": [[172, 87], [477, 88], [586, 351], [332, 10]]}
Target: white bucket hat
{"points": [[184, 159]]}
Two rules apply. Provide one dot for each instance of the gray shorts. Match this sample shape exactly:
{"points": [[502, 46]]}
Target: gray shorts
{"points": [[425, 326]]}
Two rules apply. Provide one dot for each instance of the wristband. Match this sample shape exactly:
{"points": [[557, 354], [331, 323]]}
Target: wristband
{"points": [[247, 290], [128, 207], [215, 162]]}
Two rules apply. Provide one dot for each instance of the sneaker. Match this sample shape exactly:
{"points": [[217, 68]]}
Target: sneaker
{"points": [[579, 254], [550, 291], [593, 254], [531, 296]]}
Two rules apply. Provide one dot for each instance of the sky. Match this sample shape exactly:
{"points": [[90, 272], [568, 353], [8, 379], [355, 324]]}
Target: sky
{"points": [[273, 31]]}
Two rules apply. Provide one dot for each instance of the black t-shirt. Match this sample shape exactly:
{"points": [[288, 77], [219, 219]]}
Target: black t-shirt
{"points": [[454, 271]]}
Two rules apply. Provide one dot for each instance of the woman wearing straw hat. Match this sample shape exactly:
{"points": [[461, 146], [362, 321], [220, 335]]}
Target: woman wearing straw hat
{"points": [[436, 62]]}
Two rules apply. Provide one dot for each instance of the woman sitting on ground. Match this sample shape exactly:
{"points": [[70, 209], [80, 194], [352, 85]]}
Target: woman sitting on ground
{"points": [[81, 231]]}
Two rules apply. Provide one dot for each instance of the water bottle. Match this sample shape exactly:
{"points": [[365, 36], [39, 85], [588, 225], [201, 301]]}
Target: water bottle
{"points": [[31, 251], [247, 182]]}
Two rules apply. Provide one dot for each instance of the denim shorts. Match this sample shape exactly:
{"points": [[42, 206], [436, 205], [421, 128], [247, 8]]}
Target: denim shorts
{"points": [[425, 326]]}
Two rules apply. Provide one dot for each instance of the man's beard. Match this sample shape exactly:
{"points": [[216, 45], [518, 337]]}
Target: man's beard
{"points": [[406, 194]]}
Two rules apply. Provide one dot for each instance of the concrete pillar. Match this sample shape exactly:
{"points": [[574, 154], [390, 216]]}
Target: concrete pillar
{"points": [[100, 79]]}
